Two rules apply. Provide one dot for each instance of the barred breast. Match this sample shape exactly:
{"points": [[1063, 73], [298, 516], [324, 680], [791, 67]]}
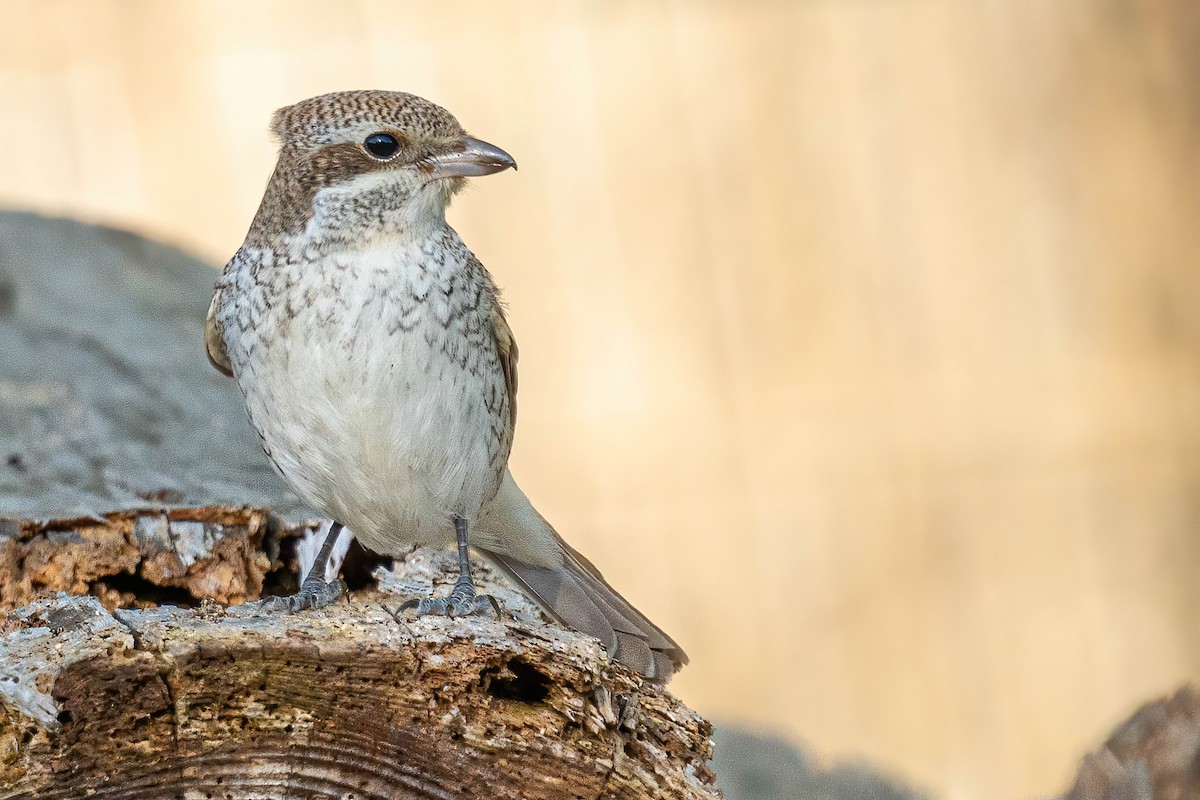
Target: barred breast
{"points": [[374, 381]]}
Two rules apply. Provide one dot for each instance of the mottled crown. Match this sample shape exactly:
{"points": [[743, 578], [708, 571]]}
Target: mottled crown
{"points": [[325, 120], [321, 144]]}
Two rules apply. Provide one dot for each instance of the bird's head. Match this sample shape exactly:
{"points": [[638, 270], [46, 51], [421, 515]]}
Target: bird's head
{"points": [[357, 164]]}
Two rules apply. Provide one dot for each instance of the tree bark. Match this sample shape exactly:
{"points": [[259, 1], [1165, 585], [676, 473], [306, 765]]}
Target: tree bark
{"points": [[104, 693]]}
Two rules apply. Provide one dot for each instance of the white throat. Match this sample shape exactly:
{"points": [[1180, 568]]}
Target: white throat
{"points": [[374, 211]]}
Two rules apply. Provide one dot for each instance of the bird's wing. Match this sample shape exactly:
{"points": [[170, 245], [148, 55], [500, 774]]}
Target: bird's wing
{"points": [[506, 345], [214, 341], [516, 537]]}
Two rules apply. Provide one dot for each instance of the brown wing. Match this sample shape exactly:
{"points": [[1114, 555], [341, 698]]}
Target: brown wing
{"points": [[214, 342], [507, 346]]}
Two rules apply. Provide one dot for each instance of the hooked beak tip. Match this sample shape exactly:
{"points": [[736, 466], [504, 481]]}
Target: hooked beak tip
{"points": [[476, 157]]}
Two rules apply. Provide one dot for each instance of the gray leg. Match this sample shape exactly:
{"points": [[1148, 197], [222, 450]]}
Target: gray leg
{"points": [[315, 592], [463, 600]]}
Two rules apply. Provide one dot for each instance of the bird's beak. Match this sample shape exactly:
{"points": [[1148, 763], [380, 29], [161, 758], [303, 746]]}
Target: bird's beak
{"points": [[470, 158]]}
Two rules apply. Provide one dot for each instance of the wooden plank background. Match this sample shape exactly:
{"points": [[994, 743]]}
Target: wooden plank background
{"points": [[859, 338]]}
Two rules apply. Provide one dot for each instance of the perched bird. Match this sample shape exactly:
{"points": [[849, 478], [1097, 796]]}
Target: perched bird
{"points": [[377, 367]]}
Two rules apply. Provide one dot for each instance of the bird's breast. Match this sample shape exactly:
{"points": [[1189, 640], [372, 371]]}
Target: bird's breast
{"points": [[375, 383]]}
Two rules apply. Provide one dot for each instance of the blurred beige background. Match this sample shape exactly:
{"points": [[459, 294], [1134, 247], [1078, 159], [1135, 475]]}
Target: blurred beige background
{"points": [[859, 337]]}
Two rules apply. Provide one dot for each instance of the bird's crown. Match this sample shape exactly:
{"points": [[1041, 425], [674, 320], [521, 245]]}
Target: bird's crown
{"points": [[392, 161], [332, 118]]}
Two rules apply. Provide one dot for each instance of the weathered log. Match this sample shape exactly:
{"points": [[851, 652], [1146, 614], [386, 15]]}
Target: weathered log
{"points": [[199, 700]]}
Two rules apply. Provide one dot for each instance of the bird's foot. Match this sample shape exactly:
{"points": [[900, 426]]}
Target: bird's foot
{"points": [[462, 602], [314, 593]]}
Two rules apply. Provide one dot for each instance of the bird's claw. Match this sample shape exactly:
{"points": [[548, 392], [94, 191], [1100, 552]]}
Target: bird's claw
{"points": [[462, 602], [314, 593]]}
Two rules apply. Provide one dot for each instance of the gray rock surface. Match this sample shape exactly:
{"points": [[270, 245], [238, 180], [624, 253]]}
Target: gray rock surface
{"points": [[751, 766], [107, 400]]}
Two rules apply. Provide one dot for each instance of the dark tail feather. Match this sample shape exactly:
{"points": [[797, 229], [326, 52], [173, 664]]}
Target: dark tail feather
{"points": [[577, 595]]}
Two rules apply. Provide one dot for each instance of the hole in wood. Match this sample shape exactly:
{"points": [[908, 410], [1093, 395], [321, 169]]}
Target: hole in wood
{"points": [[517, 680], [142, 591]]}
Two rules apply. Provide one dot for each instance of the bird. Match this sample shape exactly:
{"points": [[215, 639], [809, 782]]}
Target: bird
{"points": [[377, 366]]}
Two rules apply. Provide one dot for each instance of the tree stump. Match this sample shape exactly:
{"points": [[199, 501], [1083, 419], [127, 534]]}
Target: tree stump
{"points": [[108, 692]]}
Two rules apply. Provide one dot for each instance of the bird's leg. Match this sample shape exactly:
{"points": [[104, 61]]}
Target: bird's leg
{"points": [[315, 591], [462, 600]]}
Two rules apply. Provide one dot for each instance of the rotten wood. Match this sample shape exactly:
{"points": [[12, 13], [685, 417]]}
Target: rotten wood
{"points": [[133, 558], [106, 693]]}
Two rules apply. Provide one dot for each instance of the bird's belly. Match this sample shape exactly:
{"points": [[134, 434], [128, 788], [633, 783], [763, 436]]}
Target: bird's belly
{"points": [[378, 426]]}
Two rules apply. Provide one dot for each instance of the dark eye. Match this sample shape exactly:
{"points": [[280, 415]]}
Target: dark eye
{"points": [[381, 145]]}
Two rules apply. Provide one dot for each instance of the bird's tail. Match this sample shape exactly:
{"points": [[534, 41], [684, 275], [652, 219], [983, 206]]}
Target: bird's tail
{"points": [[569, 587]]}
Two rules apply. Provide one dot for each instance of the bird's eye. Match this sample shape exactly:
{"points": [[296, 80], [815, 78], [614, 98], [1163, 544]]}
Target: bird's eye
{"points": [[381, 145]]}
